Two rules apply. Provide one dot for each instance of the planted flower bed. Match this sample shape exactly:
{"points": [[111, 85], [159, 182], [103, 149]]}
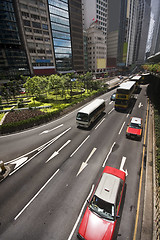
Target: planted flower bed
{"points": [[16, 116]]}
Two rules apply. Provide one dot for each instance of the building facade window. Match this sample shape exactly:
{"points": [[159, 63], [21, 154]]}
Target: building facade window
{"points": [[59, 15]]}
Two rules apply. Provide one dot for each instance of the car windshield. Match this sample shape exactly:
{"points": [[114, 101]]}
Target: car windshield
{"points": [[135, 125], [82, 117], [102, 208]]}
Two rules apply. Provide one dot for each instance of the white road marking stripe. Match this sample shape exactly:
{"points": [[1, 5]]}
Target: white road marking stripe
{"points": [[121, 128], [108, 155], [80, 146], [36, 195], [78, 219], [111, 111], [100, 123]]}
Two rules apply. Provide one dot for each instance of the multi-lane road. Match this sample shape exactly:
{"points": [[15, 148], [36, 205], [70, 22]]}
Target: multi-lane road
{"points": [[56, 166]]}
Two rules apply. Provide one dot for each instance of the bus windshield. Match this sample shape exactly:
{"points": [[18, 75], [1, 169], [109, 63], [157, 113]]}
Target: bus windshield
{"points": [[82, 117]]}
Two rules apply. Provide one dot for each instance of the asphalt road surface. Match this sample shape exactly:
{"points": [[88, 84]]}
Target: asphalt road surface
{"points": [[55, 168]]}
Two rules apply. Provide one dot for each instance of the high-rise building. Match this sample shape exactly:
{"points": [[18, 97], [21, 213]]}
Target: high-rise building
{"points": [[155, 42], [36, 34], [76, 26], [139, 19], [95, 15], [143, 21], [97, 49], [95, 10], [45, 36], [117, 11], [13, 59], [67, 33]]}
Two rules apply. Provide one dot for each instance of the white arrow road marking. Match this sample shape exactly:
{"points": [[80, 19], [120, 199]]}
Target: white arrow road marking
{"points": [[122, 165], [140, 105], [52, 140], [84, 164], [57, 152], [40, 149], [19, 161], [47, 131]]}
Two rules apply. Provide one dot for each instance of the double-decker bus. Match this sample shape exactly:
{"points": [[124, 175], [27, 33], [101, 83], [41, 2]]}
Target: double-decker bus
{"points": [[124, 95], [137, 79], [87, 115]]}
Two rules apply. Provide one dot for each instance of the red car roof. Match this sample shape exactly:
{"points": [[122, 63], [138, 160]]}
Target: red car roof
{"points": [[114, 171]]}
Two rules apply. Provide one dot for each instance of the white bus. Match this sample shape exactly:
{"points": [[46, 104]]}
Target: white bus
{"points": [[87, 115]]}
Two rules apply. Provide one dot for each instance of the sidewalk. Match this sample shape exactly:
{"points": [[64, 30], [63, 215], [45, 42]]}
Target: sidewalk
{"points": [[148, 223]]}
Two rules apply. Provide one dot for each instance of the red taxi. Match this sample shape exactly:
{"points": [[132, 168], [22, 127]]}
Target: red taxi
{"points": [[134, 128], [100, 218]]}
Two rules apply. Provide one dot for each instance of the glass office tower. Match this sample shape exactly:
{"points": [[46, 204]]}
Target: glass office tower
{"points": [[13, 60], [60, 25]]}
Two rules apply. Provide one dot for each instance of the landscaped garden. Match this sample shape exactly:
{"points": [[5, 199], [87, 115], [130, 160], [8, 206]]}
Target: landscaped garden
{"points": [[41, 99]]}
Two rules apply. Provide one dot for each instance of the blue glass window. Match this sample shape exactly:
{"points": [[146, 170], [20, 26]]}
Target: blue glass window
{"points": [[60, 28], [59, 4], [58, 12], [61, 35], [62, 50], [61, 43], [60, 20]]}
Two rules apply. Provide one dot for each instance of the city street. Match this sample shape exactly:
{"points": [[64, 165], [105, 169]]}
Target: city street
{"points": [[57, 165]]}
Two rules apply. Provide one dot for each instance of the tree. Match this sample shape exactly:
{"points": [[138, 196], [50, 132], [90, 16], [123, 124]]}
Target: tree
{"points": [[5, 93], [32, 86], [88, 78]]}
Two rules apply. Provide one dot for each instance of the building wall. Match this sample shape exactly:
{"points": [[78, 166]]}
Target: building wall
{"points": [[97, 48], [138, 31], [95, 10], [142, 31], [156, 27], [117, 12], [13, 59], [36, 32], [89, 12], [61, 34], [75, 9], [132, 25]]}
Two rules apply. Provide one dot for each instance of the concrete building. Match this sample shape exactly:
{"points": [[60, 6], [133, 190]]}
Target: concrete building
{"points": [[97, 49], [13, 59], [142, 30], [155, 42], [132, 23], [48, 34], [95, 19], [76, 26], [95, 10], [139, 18], [36, 34], [117, 11]]}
